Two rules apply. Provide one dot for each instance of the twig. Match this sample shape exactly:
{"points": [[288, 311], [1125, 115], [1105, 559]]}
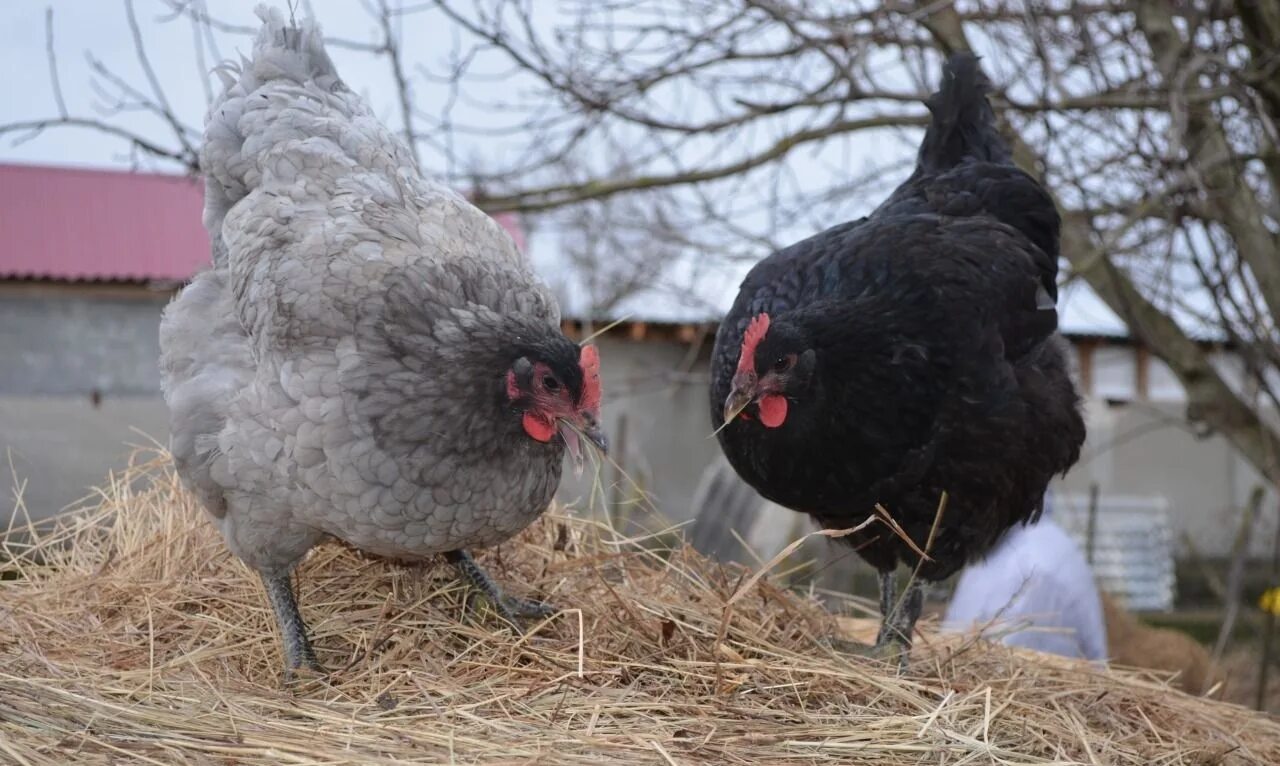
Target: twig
{"points": [[1091, 535], [1269, 628], [166, 110], [1212, 581], [902, 533], [933, 533], [197, 11], [54, 79], [1235, 571], [391, 45], [34, 127], [778, 557], [549, 198]]}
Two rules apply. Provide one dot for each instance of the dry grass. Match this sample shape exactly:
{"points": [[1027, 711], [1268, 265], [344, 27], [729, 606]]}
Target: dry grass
{"points": [[1131, 642], [130, 635], [1240, 671]]}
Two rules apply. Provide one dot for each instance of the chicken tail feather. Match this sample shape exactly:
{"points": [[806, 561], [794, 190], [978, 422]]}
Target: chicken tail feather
{"points": [[963, 125], [243, 122], [287, 48]]}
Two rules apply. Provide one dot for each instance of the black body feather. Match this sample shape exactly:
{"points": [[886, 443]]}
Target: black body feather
{"points": [[936, 366]]}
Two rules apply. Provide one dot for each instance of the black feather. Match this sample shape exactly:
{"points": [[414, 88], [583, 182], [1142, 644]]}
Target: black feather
{"points": [[934, 362], [963, 125]]}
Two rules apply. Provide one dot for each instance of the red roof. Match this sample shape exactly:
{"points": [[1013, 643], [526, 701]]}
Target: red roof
{"points": [[71, 224], [74, 224]]}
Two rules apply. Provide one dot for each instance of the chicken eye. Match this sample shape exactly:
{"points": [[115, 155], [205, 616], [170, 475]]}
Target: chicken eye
{"points": [[550, 383], [783, 363]]}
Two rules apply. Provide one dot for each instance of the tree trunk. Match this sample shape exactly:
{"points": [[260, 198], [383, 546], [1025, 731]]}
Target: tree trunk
{"points": [[1209, 398]]}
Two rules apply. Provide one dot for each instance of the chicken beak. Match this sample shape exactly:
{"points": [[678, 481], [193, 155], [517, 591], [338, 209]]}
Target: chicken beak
{"points": [[737, 401], [572, 435], [597, 437], [572, 444]]}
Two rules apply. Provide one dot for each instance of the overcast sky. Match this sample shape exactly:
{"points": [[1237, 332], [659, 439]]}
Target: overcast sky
{"points": [[99, 28]]}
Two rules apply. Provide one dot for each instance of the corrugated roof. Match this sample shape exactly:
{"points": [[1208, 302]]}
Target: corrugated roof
{"points": [[701, 289], [80, 224], [77, 224]]}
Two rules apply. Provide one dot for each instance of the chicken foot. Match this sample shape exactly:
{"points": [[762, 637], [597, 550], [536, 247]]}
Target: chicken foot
{"points": [[298, 653], [897, 623], [510, 607]]}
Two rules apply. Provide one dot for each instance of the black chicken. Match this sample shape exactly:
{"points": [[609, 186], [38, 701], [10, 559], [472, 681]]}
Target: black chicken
{"points": [[907, 354]]}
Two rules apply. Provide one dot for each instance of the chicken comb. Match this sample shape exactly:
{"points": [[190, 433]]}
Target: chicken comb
{"points": [[750, 339], [589, 361]]}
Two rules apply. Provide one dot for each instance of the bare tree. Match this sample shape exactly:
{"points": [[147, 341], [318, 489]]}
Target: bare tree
{"points": [[1154, 122], [615, 249], [749, 123]]}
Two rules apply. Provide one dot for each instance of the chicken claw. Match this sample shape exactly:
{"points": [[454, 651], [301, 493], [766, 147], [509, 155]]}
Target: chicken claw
{"points": [[512, 608]]}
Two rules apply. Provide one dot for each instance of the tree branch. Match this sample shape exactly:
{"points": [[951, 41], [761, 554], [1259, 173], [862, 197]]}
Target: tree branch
{"points": [[190, 9], [391, 44], [34, 127], [551, 197], [1226, 197], [1209, 398], [54, 80], [165, 110]]}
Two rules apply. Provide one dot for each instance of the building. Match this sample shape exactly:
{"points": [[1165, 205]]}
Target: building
{"points": [[89, 259]]}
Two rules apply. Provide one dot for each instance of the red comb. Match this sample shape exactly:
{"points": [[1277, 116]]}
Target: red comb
{"points": [[750, 339], [589, 361]]}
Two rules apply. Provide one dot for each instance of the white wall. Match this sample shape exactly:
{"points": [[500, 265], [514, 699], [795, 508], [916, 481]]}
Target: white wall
{"points": [[60, 447], [62, 444]]}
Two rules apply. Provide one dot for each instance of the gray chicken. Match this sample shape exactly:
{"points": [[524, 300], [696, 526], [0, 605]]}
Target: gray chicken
{"points": [[370, 357]]}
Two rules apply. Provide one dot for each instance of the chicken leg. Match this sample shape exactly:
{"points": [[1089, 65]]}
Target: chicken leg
{"points": [[510, 607], [888, 592], [897, 622], [293, 631], [900, 625]]}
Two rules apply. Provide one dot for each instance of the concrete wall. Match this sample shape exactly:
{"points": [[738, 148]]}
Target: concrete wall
{"points": [[1145, 450], [79, 385], [68, 342], [61, 346], [60, 447], [658, 421]]}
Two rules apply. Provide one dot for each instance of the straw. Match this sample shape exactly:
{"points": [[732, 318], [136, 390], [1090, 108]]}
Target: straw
{"points": [[129, 634]]}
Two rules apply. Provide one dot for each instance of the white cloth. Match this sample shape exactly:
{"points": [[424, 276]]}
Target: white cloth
{"points": [[1037, 584]]}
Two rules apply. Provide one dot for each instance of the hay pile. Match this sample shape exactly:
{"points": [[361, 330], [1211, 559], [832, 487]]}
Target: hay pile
{"points": [[130, 635]]}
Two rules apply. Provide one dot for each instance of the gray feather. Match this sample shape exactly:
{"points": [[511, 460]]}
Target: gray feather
{"points": [[338, 370]]}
